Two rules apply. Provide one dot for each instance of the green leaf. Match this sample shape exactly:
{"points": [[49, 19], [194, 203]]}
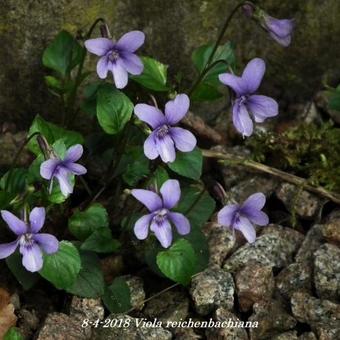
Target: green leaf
{"points": [[197, 205], [83, 223], [154, 75], [13, 334], [188, 164], [205, 92], [178, 262], [52, 133], [101, 241], [63, 53], [129, 221], [90, 280], [59, 148], [208, 88], [117, 297], [200, 245], [24, 277], [135, 165], [152, 249], [334, 101], [54, 83], [5, 199], [159, 177], [114, 109], [201, 56], [34, 170], [14, 181], [63, 267], [89, 104], [56, 196]]}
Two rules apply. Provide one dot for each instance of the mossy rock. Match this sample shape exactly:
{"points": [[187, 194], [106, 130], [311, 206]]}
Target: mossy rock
{"points": [[173, 29]]}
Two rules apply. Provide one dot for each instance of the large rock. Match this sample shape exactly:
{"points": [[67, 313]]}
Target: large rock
{"points": [[272, 320], [323, 316], [211, 289], [59, 326], [331, 231], [137, 294], [221, 242], [232, 332], [297, 276], [254, 283], [310, 244], [275, 247], [327, 272], [305, 204], [85, 308], [171, 306], [185, 24]]}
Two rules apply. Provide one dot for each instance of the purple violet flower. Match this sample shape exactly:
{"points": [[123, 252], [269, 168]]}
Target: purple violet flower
{"points": [[118, 57], [160, 217], [280, 30], [261, 107], [31, 243], [61, 169], [242, 217], [165, 137]]}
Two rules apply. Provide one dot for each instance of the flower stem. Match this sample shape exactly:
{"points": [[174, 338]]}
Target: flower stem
{"points": [[225, 26], [298, 181], [207, 66], [203, 73]]}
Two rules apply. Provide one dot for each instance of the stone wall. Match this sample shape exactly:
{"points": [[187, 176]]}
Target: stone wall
{"points": [[173, 28]]}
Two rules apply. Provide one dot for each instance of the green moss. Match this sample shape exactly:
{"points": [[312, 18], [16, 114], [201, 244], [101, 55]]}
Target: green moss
{"points": [[309, 151]]}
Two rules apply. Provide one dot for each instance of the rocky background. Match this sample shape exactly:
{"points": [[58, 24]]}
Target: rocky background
{"points": [[173, 29], [288, 281]]}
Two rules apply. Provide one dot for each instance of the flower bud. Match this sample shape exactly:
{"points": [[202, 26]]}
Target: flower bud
{"points": [[248, 10], [45, 147], [219, 192], [104, 31], [279, 29]]}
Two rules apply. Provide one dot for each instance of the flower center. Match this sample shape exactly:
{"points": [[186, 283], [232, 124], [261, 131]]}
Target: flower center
{"points": [[242, 99], [114, 55], [236, 218], [162, 131], [160, 216], [26, 240]]}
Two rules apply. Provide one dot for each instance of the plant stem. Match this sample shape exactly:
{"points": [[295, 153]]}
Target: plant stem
{"points": [[218, 41], [225, 26], [203, 73], [298, 181]]}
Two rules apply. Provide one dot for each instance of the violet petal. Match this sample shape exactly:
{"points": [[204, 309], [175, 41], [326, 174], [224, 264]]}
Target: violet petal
{"points": [[163, 232], [37, 219], [149, 198], [47, 242], [181, 223], [18, 226], [171, 193]]}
